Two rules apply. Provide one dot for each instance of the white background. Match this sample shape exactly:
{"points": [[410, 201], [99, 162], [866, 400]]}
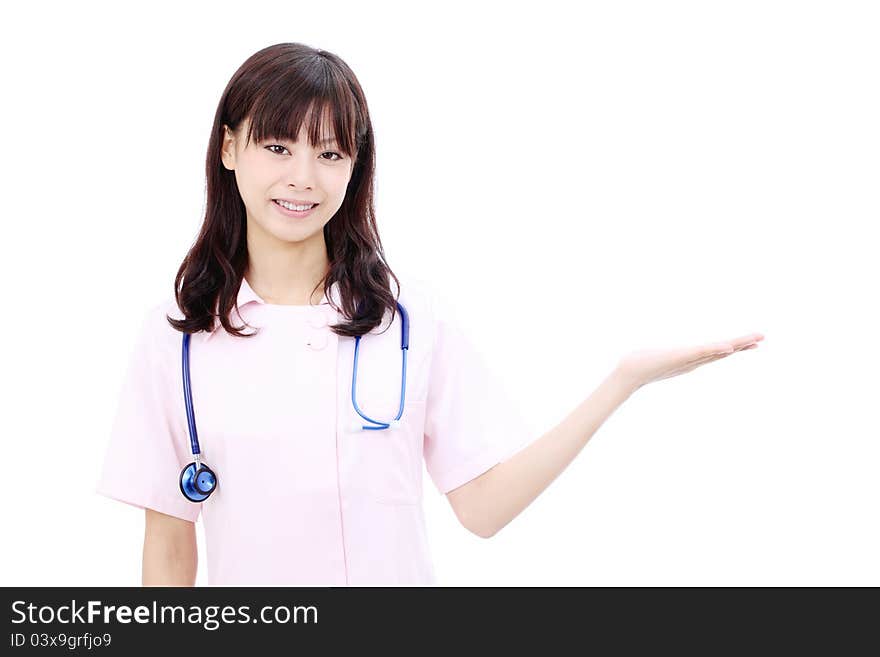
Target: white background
{"points": [[583, 180]]}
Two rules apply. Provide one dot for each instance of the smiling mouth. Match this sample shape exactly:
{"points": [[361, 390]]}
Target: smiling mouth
{"points": [[294, 206], [289, 212]]}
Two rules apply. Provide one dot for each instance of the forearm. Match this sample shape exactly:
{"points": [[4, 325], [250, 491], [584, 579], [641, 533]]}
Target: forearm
{"points": [[509, 487], [164, 565]]}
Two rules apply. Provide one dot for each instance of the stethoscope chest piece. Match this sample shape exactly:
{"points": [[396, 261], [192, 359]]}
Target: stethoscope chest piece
{"points": [[197, 484]]}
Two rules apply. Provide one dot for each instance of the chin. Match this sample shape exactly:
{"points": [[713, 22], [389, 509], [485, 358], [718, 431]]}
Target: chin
{"points": [[294, 233]]}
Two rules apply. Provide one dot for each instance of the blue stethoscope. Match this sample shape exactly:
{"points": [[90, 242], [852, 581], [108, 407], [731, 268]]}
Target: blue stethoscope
{"points": [[198, 481]]}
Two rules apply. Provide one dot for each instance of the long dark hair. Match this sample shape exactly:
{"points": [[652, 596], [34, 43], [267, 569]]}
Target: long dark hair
{"points": [[276, 88]]}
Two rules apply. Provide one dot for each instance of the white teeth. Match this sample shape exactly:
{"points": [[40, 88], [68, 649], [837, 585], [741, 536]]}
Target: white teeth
{"points": [[298, 208]]}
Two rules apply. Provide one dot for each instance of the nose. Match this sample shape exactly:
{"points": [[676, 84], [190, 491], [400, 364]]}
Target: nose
{"points": [[301, 170]]}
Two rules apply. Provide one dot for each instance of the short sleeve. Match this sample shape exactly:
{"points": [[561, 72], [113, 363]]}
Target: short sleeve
{"points": [[148, 447], [471, 422]]}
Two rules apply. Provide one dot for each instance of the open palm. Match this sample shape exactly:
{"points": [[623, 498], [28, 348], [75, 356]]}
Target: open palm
{"points": [[648, 365]]}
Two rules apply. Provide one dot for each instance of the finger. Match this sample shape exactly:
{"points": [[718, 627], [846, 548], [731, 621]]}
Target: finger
{"points": [[721, 348], [706, 359], [725, 355], [736, 344], [713, 356], [718, 355], [748, 339]]}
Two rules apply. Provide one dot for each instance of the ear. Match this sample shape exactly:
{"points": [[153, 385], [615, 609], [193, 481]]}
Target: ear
{"points": [[227, 150]]}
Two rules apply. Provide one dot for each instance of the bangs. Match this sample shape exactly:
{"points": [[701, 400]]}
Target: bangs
{"points": [[280, 112]]}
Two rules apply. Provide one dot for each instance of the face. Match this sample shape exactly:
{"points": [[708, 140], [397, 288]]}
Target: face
{"points": [[281, 169]]}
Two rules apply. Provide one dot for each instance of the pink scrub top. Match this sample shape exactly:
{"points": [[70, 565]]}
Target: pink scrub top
{"points": [[303, 499]]}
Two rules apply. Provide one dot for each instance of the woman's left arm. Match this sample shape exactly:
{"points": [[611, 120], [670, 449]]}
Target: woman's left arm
{"points": [[489, 502]]}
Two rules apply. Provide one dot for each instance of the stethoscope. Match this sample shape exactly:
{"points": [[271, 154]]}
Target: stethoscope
{"points": [[198, 481]]}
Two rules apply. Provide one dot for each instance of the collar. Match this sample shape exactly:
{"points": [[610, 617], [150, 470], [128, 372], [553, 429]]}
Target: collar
{"points": [[247, 295]]}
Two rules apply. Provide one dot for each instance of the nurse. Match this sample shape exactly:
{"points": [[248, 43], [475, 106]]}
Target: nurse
{"points": [[286, 278]]}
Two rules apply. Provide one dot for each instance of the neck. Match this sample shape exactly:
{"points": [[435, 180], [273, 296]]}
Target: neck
{"points": [[285, 273]]}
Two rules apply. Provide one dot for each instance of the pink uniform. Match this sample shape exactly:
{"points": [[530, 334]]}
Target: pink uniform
{"points": [[302, 499]]}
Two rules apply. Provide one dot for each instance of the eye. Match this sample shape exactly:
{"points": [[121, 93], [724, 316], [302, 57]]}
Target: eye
{"points": [[271, 146]]}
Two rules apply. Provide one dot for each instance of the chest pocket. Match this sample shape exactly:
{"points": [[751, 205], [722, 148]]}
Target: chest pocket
{"points": [[389, 461]]}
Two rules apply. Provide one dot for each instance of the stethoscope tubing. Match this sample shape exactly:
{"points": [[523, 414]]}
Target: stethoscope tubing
{"points": [[404, 349], [190, 482]]}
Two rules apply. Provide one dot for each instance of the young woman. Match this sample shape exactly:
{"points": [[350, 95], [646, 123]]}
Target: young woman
{"points": [[300, 442]]}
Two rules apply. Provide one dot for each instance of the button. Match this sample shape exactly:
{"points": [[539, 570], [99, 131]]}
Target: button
{"points": [[317, 340]]}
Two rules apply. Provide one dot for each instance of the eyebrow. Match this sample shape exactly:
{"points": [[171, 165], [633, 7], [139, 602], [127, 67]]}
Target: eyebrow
{"points": [[328, 140]]}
